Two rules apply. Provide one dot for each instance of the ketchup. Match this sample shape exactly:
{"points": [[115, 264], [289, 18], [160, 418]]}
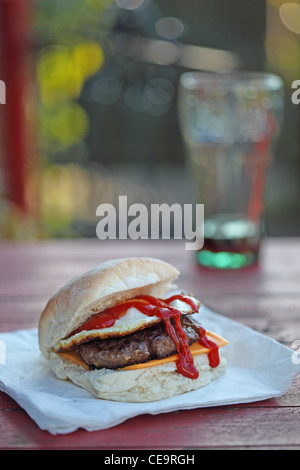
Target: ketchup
{"points": [[213, 355], [185, 362], [152, 306], [109, 316]]}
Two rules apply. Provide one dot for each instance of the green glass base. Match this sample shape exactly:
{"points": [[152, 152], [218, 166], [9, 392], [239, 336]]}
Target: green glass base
{"points": [[226, 259]]}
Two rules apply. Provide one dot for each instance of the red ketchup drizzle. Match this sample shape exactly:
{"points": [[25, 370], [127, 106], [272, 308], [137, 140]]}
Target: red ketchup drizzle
{"points": [[152, 306], [213, 354], [108, 317], [185, 362]]}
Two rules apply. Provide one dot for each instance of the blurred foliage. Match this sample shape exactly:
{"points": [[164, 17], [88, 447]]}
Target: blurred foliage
{"points": [[67, 39], [68, 35], [67, 22], [64, 196], [61, 73], [16, 225]]}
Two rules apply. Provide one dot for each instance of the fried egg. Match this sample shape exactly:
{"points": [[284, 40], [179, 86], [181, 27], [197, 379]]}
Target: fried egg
{"points": [[132, 321]]}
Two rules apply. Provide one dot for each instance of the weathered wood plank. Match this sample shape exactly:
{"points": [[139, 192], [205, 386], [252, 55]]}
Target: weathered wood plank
{"points": [[193, 429], [43, 268]]}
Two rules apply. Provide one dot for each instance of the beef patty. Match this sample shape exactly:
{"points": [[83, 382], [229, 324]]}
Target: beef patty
{"points": [[141, 346]]}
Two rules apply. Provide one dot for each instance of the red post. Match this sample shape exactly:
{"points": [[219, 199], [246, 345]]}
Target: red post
{"points": [[14, 43]]}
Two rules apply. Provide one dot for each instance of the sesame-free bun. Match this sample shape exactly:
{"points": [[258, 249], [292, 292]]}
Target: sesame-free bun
{"points": [[97, 289], [139, 385]]}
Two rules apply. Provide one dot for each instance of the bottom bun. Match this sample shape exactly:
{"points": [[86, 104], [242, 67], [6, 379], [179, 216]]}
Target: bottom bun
{"points": [[139, 385]]}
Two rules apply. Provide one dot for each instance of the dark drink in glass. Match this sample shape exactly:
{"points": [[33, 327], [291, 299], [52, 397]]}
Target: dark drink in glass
{"points": [[230, 242]]}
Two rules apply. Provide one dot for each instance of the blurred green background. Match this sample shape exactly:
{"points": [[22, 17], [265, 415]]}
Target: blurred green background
{"points": [[90, 113]]}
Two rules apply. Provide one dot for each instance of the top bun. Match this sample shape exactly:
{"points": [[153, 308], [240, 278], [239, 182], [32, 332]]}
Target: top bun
{"points": [[97, 289]]}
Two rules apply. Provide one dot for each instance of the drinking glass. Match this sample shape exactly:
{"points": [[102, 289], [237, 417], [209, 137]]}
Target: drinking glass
{"points": [[229, 122]]}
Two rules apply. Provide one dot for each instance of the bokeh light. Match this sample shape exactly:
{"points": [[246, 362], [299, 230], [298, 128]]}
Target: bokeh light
{"points": [[283, 51], [107, 88], [169, 27], [62, 71], [61, 74], [290, 16], [67, 125], [129, 4]]}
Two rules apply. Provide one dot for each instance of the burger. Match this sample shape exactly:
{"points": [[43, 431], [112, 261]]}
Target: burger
{"points": [[116, 332]]}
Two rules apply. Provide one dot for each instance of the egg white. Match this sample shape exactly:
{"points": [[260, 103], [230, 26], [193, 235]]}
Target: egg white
{"points": [[133, 320]]}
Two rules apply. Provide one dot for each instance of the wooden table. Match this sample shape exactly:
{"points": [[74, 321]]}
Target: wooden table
{"points": [[265, 297]]}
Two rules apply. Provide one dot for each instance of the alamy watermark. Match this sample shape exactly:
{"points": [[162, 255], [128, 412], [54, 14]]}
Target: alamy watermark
{"points": [[2, 352], [296, 353], [160, 221], [296, 94], [2, 92]]}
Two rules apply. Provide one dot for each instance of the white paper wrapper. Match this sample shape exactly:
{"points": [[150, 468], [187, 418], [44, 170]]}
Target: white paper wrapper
{"points": [[257, 368]]}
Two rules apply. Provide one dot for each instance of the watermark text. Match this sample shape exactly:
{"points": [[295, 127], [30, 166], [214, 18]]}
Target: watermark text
{"points": [[296, 353], [2, 92], [2, 352], [161, 221], [296, 93]]}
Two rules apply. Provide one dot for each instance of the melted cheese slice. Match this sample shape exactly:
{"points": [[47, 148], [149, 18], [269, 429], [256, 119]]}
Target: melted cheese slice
{"points": [[195, 348]]}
